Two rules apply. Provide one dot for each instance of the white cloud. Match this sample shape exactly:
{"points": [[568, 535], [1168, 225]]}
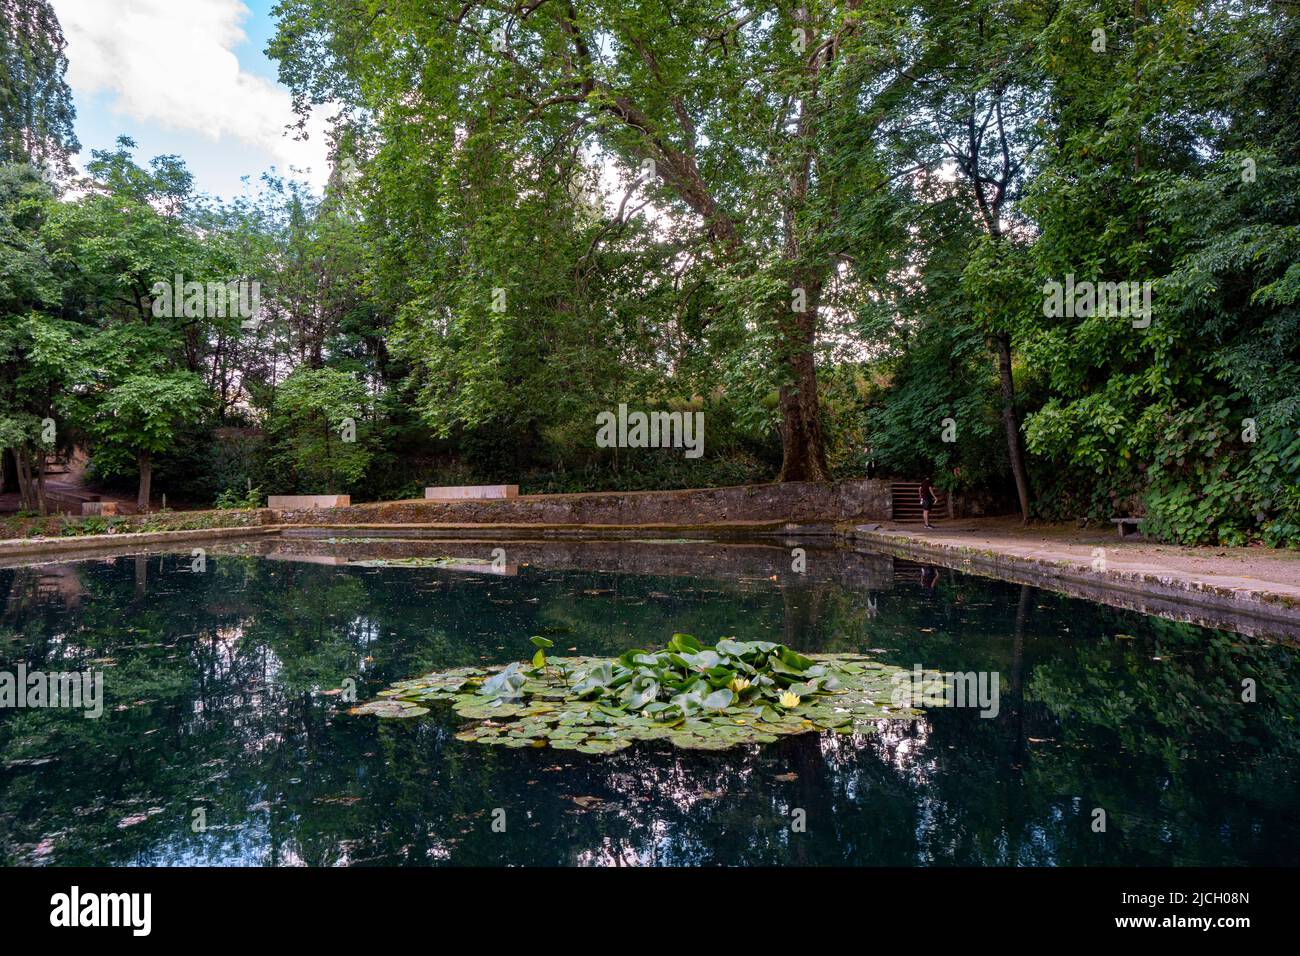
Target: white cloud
{"points": [[171, 63]]}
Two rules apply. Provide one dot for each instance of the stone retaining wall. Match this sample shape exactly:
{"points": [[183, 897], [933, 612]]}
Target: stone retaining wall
{"points": [[60, 527], [788, 501]]}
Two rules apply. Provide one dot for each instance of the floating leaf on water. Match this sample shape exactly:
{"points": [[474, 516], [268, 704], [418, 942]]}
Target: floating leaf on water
{"points": [[687, 694], [389, 707], [719, 699]]}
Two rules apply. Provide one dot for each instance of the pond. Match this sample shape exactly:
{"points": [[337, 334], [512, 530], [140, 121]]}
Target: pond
{"points": [[224, 741]]}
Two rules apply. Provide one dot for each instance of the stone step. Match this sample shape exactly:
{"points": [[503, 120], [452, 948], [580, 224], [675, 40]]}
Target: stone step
{"points": [[906, 501]]}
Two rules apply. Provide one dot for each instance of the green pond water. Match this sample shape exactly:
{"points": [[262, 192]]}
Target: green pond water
{"points": [[220, 744]]}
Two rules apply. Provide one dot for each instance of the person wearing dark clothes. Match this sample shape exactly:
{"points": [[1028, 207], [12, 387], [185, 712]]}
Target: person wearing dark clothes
{"points": [[927, 501]]}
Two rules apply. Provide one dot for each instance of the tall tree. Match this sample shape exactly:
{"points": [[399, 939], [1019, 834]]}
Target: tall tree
{"points": [[112, 246], [36, 111], [982, 118], [737, 114], [41, 352]]}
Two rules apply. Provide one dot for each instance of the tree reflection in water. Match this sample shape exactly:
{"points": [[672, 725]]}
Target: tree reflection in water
{"points": [[217, 701]]}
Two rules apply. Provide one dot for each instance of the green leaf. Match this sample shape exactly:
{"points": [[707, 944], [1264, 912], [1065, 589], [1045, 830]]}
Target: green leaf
{"points": [[636, 697], [684, 643], [719, 700], [794, 660]]}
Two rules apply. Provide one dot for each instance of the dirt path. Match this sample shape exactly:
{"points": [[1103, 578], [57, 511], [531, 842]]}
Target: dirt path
{"points": [[67, 488], [1065, 542], [1207, 585]]}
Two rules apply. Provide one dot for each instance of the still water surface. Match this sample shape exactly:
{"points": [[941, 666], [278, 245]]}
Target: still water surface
{"points": [[217, 714]]}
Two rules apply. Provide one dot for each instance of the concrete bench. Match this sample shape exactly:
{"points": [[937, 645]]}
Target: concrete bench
{"points": [[103, 508], [471, 492], [1128, 526], [294, 502]]}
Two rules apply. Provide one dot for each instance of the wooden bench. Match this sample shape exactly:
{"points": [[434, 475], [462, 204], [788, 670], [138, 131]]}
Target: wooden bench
{"points": [[471, 492], [1124, 524]]}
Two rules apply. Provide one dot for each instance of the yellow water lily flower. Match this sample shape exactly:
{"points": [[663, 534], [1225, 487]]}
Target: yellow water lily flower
{"points": [[739, 683], [788, 700]]}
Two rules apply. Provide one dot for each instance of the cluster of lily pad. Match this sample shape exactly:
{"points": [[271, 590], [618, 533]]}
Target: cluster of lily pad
{"points": [[736, 692]]}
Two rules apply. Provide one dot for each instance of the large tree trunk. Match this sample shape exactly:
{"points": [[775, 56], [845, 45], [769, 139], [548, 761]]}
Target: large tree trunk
{"points": [[803, 447], [146, 480], [25, 496], [1012, 424], [31, 480]]}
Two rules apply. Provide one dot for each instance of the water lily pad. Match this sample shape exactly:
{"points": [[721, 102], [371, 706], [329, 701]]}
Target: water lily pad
{"points": [[687, 694], [390, 708]]}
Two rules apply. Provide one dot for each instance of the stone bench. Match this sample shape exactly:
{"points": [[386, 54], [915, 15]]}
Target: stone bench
{"points": [[471, 492], [295, 502], [1128, 526], [103, 508]]}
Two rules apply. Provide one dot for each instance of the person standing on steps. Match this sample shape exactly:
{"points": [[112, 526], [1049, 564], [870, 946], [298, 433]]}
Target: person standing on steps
{"points": [[927, 501]]}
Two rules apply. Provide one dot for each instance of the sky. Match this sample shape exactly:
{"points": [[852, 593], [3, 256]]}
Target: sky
{"points": [[187, 77]]}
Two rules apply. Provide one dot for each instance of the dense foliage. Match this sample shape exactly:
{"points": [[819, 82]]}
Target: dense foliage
{"points": [[830, 227]]}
